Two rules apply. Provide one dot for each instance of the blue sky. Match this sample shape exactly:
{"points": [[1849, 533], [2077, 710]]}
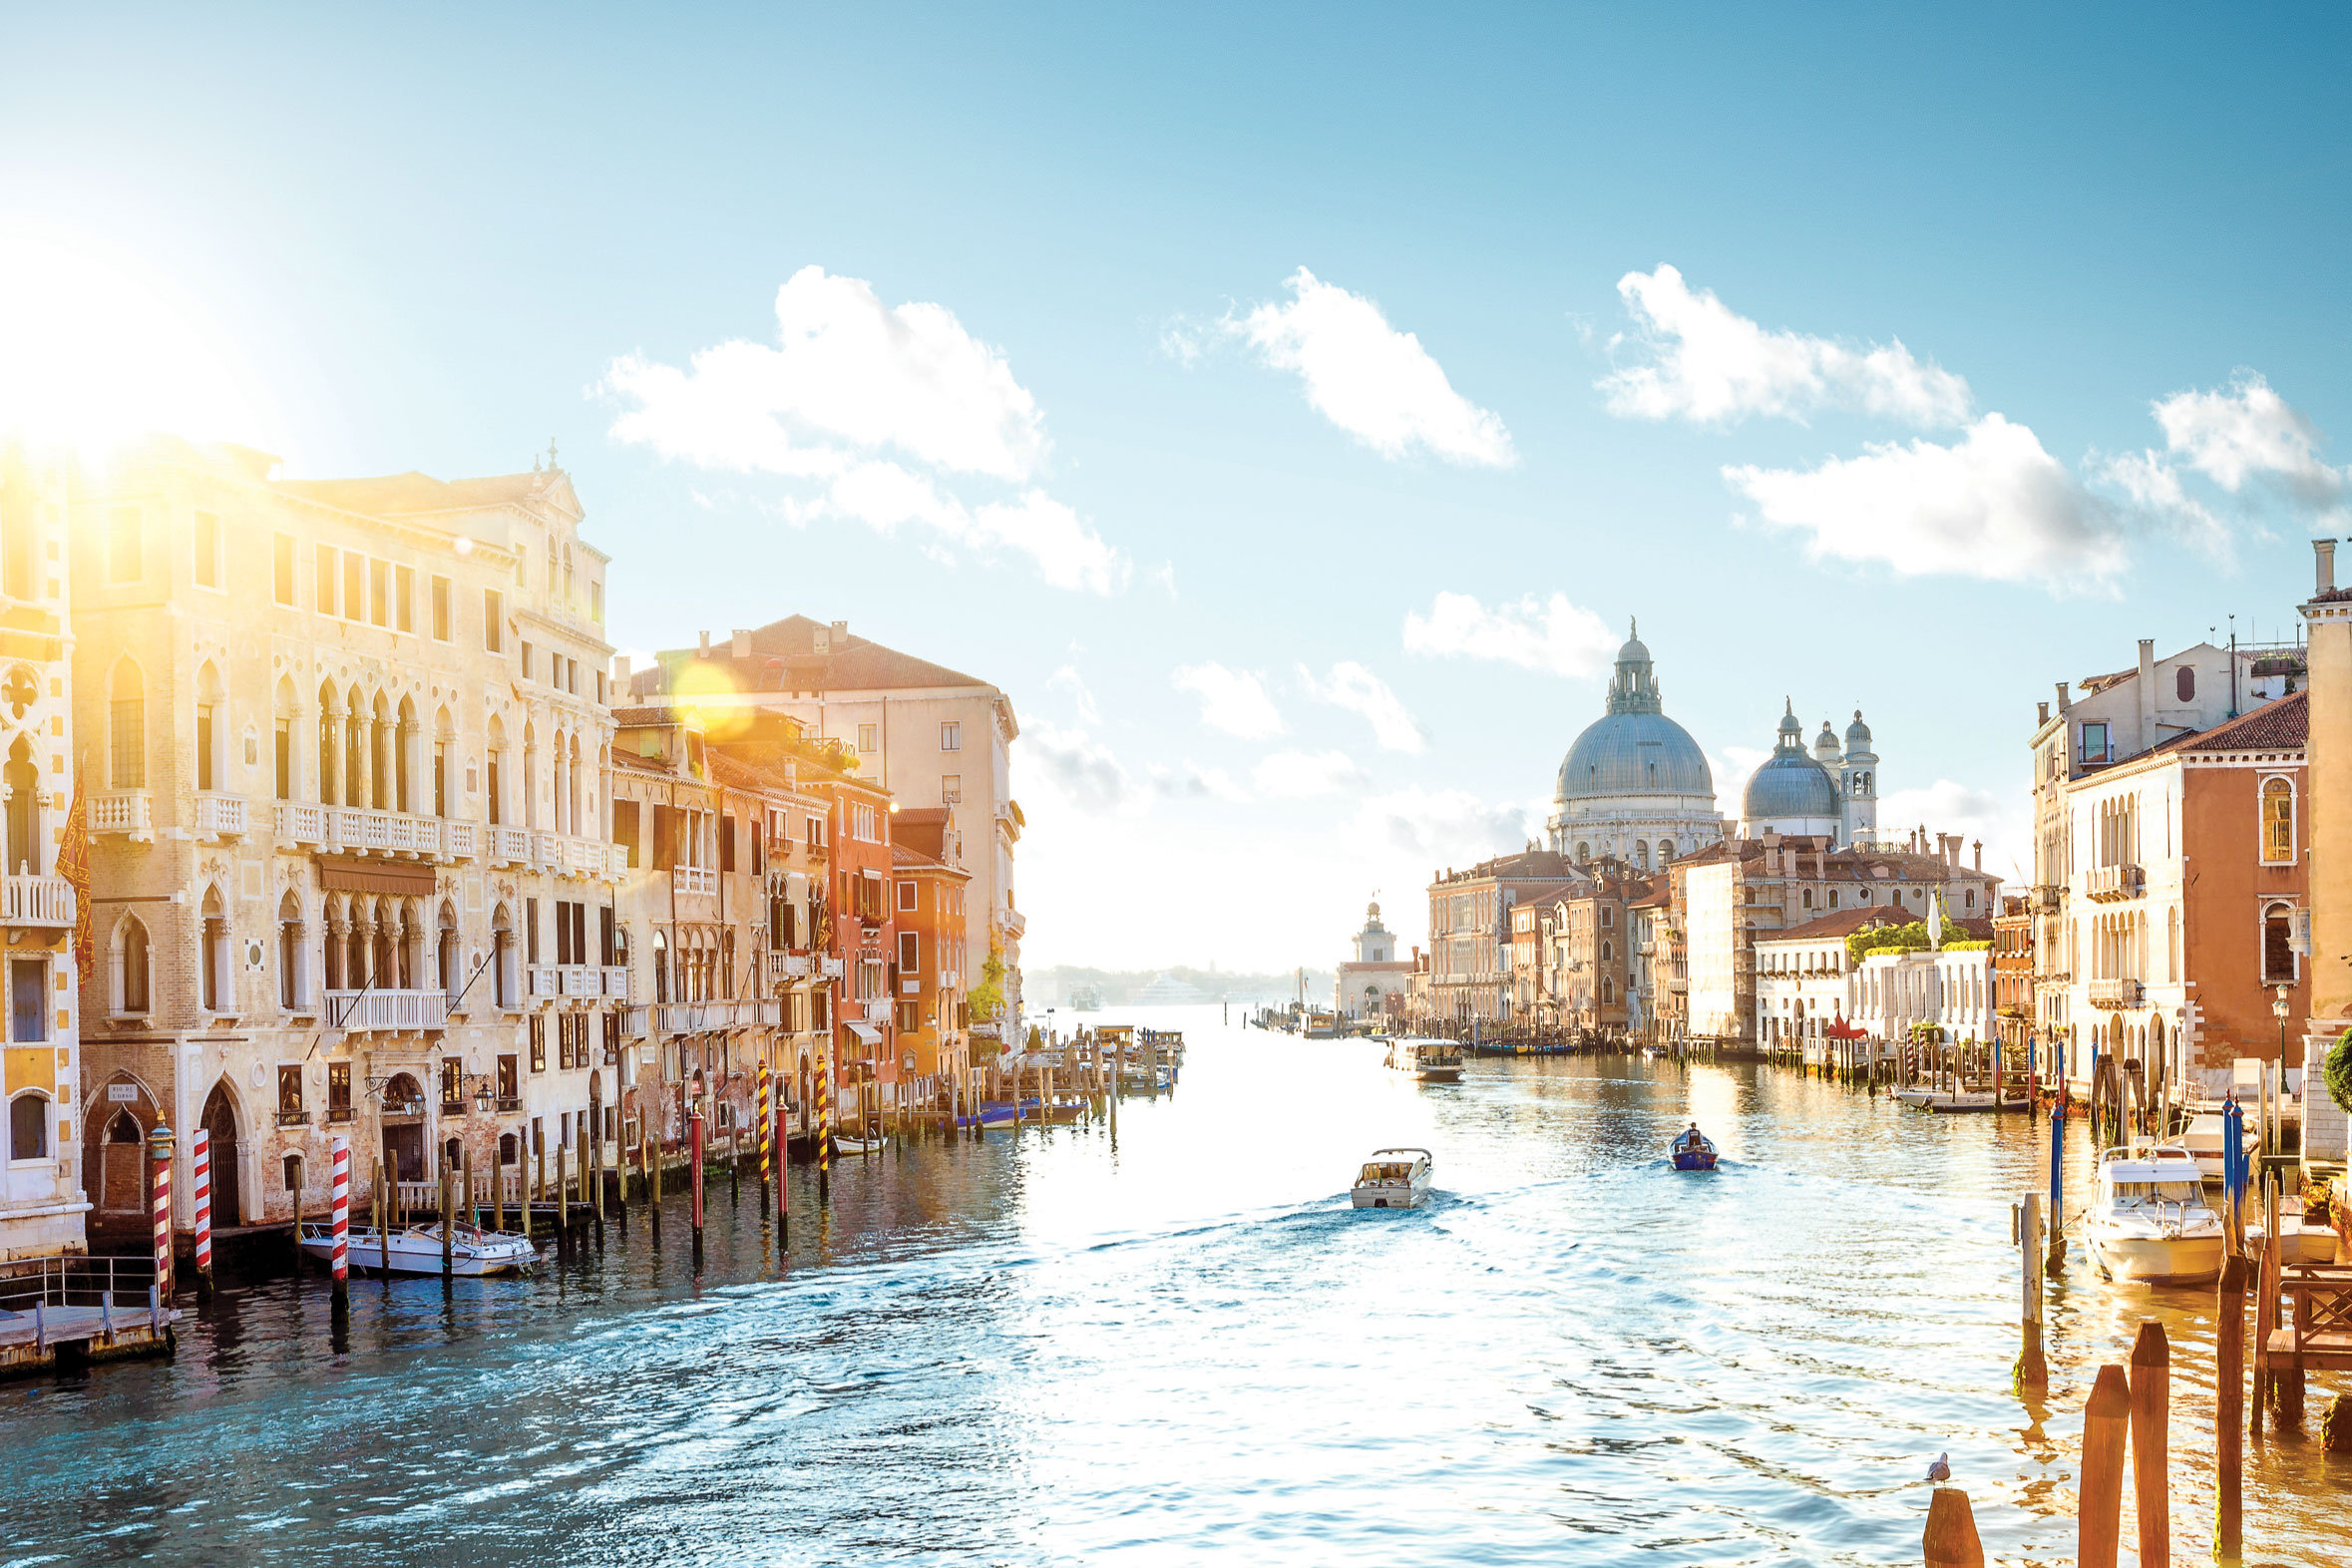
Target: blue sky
{"points": [[1132, 454]]}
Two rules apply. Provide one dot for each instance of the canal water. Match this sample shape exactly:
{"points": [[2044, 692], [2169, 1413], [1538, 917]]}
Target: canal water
{"points": [[1185, 1344]]}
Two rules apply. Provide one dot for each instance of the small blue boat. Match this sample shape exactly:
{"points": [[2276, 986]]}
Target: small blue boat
{"points": [[1692, 1151]]}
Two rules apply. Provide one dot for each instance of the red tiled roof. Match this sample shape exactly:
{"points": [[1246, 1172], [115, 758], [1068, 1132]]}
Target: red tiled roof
{"points": [[784, 657], [2283, 726]]}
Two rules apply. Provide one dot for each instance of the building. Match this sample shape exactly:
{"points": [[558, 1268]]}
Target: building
{"points": [[347, 751], [2013, 973], [2327, 615], [934, 1017], [1727, 899], [1634, 785], [1825, 793], [1470, 935], [1591, 963], [924, 734], [1940, 994], [1804, 980], [45, 1182], [1373, 983], [1656, 973]]}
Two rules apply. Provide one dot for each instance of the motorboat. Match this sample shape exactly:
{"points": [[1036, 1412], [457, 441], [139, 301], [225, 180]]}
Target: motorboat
{"points": [[2202, 1140], [1967, 1100], [416, 1248], [2149, 1222], [1693, 1150], [2301, 1241], [1426, 1060], [1654, 1053], [1914, 1094], [1393, 1179]]}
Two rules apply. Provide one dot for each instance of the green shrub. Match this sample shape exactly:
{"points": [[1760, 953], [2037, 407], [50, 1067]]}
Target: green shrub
{"points": [[2339, 1070]]}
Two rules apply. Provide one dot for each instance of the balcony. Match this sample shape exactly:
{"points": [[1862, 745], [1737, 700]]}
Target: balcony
{"points": [[829, 967], [2115, 994], [130, 812], [615, 980], [26, 899], [695, 879], [360, 830], [219, 815], [395, 1011], [2046, 899], [788, 965], [293, 1118], [583, 980], [2114, 884], [878, 1010], [508, 845]]}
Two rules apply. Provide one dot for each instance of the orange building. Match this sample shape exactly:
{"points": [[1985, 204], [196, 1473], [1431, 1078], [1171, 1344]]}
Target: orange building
{"points": [[927, 972]]}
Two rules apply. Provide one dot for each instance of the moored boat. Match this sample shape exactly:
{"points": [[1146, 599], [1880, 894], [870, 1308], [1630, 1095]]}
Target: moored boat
{"points": [[1426, 1060], [1693, 1150], [2149, 1222], [1393, 1179], [416, 1248], [2202, 1140]]}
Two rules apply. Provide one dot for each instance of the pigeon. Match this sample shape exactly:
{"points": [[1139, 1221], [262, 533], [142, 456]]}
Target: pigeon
{"points": [[1941, 1471]]}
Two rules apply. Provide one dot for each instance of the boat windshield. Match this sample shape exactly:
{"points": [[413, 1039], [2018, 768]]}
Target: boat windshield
{"points": [[2152, 1194], [1388, 1170]]}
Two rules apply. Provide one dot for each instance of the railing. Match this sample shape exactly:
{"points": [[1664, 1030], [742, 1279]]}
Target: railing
{"points": [[2115, 994], [542, 982], [878, 1010], [26, 899], [694, 1017], [2114, 884], [293, 1118], [223, 816], [461, 840], [368, 831], [583, 980], [633, 1022], [695, 879], [829, 967], [508, 845], [788, 965], [2047, 898], [403, 1011], [615, 982], [76, 1280], [129, 811]]}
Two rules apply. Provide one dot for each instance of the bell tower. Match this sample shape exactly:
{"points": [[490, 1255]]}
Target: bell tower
{"points": [[1857, 783]]}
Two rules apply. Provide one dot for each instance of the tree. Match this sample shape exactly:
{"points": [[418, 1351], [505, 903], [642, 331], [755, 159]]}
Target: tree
{"points": [[2339, 1071], [988, 997]]}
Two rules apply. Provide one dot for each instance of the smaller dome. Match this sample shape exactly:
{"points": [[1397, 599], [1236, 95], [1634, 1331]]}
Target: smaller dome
{"points": [[1825, 744], [1791, 787], [1789, 728], [1856, 733]]}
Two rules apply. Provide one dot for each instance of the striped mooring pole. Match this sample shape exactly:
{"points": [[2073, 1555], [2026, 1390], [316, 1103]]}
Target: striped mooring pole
{"points": [[824, 1129], [783, 1161], [763, 1137], [694, 1135], [158, 1159], [200, 1177], [340, 1219]]}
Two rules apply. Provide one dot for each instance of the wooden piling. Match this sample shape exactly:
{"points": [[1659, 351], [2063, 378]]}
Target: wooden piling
{"points": [[466, 1164], [695, 1139], [301, 1175], [385, 1197], [1949, 1540], [2265, 1309], [596, 1209], [2152, 1419], [2288, 1380], [2033, 1369], [2229, 1393], [2099, 1511], [538, 1184], [448, 1258]]}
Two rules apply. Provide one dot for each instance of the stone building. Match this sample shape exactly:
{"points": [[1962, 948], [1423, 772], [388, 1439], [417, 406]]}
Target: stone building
{"points": [[347, 754], [1375, 981], [1471, 938], [2327, 615], [44, 1187], [1592, 965], [926, 970], [925, 735], [1634, 785]]}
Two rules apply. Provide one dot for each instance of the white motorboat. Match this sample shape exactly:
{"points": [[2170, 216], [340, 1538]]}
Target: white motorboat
{"points": [[2202, 1140], [2301, 1241], [1393, 1179], [416, 1248], [2149, 1222], [1968, 1100], [1426, 1060], [1913, 1094]]}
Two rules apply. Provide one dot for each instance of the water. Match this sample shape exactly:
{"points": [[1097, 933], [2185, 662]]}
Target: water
{"points": [[1065, 1353]]}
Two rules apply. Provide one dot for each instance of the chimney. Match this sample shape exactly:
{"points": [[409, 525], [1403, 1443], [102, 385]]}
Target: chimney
{"points": [[706, 645], [839, 632], [2041, 714], [620, 671], [2148, 693], [740, 644], [2323, 551], [2064, 701], [1980, 854]]}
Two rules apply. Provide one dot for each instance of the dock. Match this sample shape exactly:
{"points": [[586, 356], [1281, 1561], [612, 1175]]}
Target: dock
{"points": [[76, 1310]]}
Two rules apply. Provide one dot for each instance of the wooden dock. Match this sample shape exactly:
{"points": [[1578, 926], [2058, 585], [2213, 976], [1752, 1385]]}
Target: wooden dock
{"points": [[72, 1311]]}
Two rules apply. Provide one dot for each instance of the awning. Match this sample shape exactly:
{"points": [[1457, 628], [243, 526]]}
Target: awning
{"points": [[375, 876], [867, 1034]]}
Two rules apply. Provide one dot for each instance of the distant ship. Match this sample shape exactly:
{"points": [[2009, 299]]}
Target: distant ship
{"points": [[1169, 991], [1085, 998]]}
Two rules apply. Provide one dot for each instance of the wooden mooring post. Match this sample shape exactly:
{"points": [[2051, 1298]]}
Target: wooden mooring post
{"points": [[1950, 1540], [2230, 1393], [2033, 1368], [2098, 1505], [2151, 1437], [448, 1254]]}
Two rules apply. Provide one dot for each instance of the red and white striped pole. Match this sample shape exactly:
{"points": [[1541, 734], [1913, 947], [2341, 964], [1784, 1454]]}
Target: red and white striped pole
{"points": [[341, 1220], [158, 1159], [200, 1176]]}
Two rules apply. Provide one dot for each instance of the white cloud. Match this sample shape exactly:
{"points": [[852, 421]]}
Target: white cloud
{"points": [[1076, 768], [2003, 821], [1373, 381], [2154, 490], [1711, 365], [1551, 635], [1068, 679], [1994, 505], [853, 391], [1731, 767], [1298, 775], [2247, 432], [1358, 691], [1444, 827], [1233, 701]]}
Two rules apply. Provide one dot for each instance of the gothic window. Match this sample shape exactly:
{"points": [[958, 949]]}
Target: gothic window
{"points": [[127, 728], [2278, 957], [2279, 821], [130, 963], [213, 955]]}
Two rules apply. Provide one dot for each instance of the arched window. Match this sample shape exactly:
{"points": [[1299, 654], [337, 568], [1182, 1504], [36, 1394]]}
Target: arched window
{"points": [[294, 983], [446, 965], [1608, 950], [1584, 853], [128, 961], [2184, 682], [2279, 821], [211, 722], [661, 965], [21, 780], [330, 748], [404, 743], [1664, 851], [28, 1126], [282, 758], [127, 727], [213, 955], [2278, 957], [502, 956]]}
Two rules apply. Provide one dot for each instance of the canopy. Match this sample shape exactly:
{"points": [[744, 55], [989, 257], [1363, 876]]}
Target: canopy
{"points": [[867, 1034]]}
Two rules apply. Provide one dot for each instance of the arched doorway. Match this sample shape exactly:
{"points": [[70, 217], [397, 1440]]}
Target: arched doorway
{"points": [[220, 1125], [403, 1121], [121, 1166]]}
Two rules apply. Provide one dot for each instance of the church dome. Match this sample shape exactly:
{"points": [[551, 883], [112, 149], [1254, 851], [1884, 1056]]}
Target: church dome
{"points": [[1791, 787], [1857, 734], [1634, 748]]}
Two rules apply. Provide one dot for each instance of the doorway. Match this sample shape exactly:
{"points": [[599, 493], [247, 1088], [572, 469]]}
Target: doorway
{"points": [[220, 1123]]}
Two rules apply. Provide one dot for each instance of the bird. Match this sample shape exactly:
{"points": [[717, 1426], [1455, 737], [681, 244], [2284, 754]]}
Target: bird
{"points": [[1941, 1471]]}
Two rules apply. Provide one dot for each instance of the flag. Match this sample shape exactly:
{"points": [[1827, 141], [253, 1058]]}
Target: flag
{"points": [[73, 864]]}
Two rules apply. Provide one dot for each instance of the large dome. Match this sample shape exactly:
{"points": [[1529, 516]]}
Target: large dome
{"points": [[1634, 754], [1790, 786]]}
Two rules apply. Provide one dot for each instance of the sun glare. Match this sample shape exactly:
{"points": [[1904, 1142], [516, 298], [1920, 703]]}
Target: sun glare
{"points": [[96, 345]]}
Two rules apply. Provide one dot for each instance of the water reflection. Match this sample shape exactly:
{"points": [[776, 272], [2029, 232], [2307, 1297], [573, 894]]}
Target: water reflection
{"points": [[1049, 1353]]}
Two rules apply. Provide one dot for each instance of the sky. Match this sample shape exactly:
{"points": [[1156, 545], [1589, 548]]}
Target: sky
{"points": [[1287, 407]]}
